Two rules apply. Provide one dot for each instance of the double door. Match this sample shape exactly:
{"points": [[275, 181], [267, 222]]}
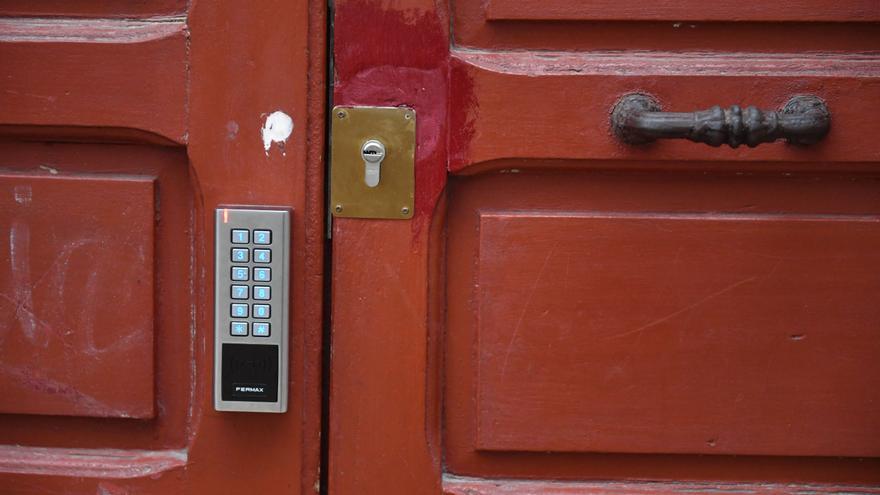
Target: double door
{"points": [[580, 295]]}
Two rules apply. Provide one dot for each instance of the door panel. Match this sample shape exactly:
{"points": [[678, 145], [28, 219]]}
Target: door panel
{"points": [[566, 313], [123, 126], [690, 388], [687, 10], [97, 297], [93, 8], [455, 486], [714, 314], [567, 97], [103, 237], [605, 25], [91, 61]]}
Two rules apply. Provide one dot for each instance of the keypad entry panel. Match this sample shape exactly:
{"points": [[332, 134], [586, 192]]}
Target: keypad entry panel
{"points": [[251, 297]]}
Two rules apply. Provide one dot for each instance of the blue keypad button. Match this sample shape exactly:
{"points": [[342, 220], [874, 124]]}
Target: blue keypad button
{"points": [[239, 291], [262, 292], [262, 274], [262, 237], [262, 256], [240, 255], [240, 236], [262, 311], [239, 273], [239, 310], [239, 328], [261, 329]]}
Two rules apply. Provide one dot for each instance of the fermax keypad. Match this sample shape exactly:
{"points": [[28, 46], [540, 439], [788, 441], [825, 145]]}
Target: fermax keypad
{"points": [[251, 315]]}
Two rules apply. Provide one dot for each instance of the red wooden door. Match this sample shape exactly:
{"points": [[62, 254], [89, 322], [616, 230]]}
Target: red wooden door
{"points": [[567, 313], [123, 125]]}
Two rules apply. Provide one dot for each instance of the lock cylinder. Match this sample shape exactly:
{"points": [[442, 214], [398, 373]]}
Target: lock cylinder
{"points": [[373, 152]]}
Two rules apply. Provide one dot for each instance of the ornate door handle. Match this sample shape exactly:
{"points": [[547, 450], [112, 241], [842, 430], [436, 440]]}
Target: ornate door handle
{"points": [[637, 119]]}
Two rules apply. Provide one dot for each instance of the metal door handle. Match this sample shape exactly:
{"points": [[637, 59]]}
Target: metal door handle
{"points": [[637, 119]]}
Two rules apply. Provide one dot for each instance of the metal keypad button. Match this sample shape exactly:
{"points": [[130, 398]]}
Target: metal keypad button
{"points": [[262, 274], [262, 256], [239, 310], [261, 329], [239, 273], [262, 292], [239, 291], [240, 255], [263, 237], [240, 236], [262, 311], [238, 328]]}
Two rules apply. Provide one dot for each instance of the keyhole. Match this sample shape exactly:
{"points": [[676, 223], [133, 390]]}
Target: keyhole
{"points": [[372, 152]]}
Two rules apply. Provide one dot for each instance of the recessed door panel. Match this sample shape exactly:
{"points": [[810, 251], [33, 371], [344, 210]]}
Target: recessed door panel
{"points": [[677, 333], [95, 276], [687, 25], [78, 305], [598, 322], [683, 10]]}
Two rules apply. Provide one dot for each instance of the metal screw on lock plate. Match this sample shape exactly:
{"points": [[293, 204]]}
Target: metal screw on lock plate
{"points": [[373, 152]]}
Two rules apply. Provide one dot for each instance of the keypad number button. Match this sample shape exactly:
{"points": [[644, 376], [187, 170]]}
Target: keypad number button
{"points": [[262, 292], [240, 236], [262, 256], [239, 291], [239, 273], [262, 311], [263, 237], [240, 255], [262, 274], [261, 329], [239, 310], [239, 328]]}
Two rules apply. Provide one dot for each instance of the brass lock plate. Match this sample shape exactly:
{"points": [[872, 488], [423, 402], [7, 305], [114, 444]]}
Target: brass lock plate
{"points": [[366, 142]]}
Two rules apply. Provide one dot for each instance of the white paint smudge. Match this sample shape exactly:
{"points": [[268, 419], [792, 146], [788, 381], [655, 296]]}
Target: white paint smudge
{"points": [[278, 127], [22, 194]]}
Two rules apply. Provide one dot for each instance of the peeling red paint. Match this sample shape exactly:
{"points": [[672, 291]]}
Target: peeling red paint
{"points": [[90, 463], [455, 485]]}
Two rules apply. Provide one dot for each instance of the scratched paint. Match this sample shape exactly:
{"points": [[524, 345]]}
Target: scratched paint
{"points": [[124, 338], [231, 130], [76, 297], [22, 287], [276, 130], [34, 379]]}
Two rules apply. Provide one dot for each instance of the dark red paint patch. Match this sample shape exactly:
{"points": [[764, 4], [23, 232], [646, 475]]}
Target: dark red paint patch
{"points": [[378, 63], [368, 35]]}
